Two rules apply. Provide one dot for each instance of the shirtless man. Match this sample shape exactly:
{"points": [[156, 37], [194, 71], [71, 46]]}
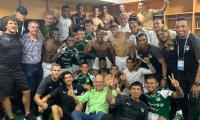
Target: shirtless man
{"points": [[122, 47], [49, 49], [105, 17], [101, 49], [96, 21], [145, 17]]}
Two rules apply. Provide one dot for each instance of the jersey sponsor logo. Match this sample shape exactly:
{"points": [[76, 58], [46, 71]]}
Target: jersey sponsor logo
{"points": [[72, 54], [142, 110], [87, 80], [156, 104], [60, 83], [129, 104], [50, 87], [149, 56], [172, 48]]}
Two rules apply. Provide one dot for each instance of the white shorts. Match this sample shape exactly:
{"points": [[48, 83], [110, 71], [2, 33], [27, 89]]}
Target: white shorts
{"points": [[67, 69], [90, 62], [152, 116], [121, 62], [96, 63], [75, 68], [46, 69]]}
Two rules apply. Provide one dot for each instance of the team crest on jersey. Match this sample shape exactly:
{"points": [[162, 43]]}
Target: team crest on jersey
{"points": [[172, 48], [75, 91], [72, 55], [87, 80], [149, 56], [60, 84], [142, 110], [158, 98], [187, 47]]}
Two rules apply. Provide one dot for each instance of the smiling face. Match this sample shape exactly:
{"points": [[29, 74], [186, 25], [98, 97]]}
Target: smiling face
{"points": [[55, 35], [151, 84], [114, 70], [98, 82], [96, 12], [114, 31], [70, 42], [135, 92], [68, 79], [80, 9], [182, 28], [123, 19], [141, 6], [84, 68], [11, 27], [33, 28], [142, 42], [56, 71], [48, 20], [99, 36], [80, 35], [162, 35]]}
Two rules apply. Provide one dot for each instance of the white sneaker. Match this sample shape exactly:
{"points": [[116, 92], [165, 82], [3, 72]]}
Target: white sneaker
{"points": [[179, 113]]}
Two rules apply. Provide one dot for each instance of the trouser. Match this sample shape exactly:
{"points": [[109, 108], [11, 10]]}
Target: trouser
{"points": [[34, 75], [75, 68], [46, 69], [121, 62], [90, 62], [190, 105], [77, 115], [67, 69]]}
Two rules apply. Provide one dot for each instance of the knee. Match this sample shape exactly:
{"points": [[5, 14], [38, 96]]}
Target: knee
{"points": [[79, 106], [26, 93], [3, 99], [54, 108], [75, 113]]}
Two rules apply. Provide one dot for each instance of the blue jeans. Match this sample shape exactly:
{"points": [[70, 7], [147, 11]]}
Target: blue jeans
{"points": [[77, 115], [34, 76]]}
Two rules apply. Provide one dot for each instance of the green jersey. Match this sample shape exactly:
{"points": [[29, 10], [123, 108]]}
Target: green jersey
{"points": [[66, 58], [160, 102], [88, 79], [88, 37], [80, 47]]}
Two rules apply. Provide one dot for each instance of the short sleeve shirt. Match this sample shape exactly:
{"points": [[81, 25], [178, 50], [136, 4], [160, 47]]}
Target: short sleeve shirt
{"points": [[88, 79], [154, 54], [67, 57], [160, 102]]}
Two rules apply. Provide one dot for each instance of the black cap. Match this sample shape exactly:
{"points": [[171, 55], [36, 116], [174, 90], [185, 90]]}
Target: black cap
{"points": [[22, 9]]}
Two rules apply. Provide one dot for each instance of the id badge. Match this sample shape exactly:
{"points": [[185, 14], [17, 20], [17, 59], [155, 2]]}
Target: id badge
{"points": [[181, 65]]}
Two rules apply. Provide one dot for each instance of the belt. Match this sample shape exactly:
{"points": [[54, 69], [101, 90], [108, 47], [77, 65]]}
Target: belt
{"points": [[31, 65]]}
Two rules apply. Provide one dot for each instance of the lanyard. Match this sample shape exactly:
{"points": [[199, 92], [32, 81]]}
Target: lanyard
{"points": [[184, 46]]}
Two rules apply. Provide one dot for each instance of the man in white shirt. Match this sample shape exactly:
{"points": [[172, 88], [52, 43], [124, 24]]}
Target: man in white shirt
{"points": [[64, 24], [156, 25], [132, 75]]}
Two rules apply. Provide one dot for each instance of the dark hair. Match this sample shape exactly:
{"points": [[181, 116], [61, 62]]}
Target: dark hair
{"points": [[129, 58], [183, 18], [80, 29], [137, 83], [103, 6], [114, 66], [102, 58], [10, 18], [88, 21], [79, 6], [160, 20], [113, 26], [98, 30], [66, 73], [83, 63], [142, 34], [51, 31], [132, 21], [142, 2], [70, 36], [150, 77], [95, 8], [64, 6]]}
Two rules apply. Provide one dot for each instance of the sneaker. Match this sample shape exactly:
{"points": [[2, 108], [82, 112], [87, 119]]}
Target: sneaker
{"points": [[179, 113], [30, 117]]}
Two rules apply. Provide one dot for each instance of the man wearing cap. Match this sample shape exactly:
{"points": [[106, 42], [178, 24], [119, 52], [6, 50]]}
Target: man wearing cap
{"points": [[20, 14]]}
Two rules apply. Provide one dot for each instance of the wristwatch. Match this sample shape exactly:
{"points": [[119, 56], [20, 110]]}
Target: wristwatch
{"points": [[165, 78], [197, 83]]}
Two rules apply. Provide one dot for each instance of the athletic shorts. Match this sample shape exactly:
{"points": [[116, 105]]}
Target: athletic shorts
{"points": [[66, 113], [16, 81], [121, 62]]}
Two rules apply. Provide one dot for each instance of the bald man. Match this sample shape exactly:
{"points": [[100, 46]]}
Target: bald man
{"points": [[145, 17]]}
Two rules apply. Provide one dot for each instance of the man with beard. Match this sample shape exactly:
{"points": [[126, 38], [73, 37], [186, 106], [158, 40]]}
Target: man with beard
{"points": [[49, 49], [101, 49]]}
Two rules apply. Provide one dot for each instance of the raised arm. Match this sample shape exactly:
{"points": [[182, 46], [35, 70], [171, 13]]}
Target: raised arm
{"points": [[166, 3], [89, 47], [179, 92], [109, 98], [124, 80], [151, 69]]}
